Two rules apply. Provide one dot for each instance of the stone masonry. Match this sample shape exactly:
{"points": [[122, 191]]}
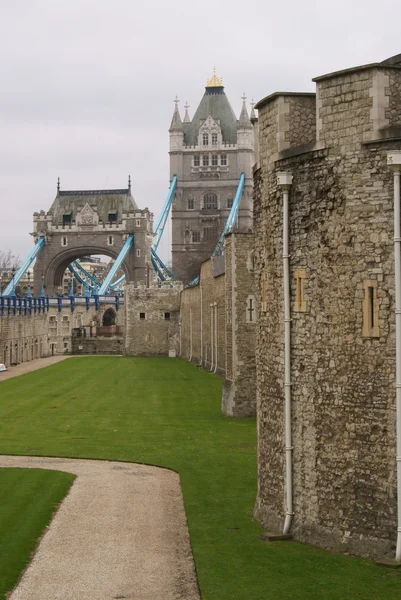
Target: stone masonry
{"points": [[152, 320], [342, 309], [218, 323]]}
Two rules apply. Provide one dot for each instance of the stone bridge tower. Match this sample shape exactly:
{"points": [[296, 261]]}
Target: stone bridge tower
{"points": [[80, 223], [208, 155]]}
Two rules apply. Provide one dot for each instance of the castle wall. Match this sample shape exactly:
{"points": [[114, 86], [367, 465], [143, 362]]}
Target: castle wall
{"points": [[152, 320], [23, 338], [27, 337], [341, 250], [239, 391]]}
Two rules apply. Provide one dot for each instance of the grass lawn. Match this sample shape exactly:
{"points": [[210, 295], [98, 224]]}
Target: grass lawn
{"points": [[166, 412], [22, 520]]}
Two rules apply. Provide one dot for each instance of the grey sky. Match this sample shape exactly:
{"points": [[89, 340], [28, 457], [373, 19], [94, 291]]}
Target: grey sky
{"points": [[87, 86]]}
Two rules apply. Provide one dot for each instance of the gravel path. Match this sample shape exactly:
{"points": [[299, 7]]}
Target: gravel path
{"points": [[29, 366], [120, 533]]}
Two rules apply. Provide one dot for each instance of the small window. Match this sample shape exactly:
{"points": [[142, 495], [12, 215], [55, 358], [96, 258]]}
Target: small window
{"points": [[230, 203], [223, 160], [113, 217], [215, 160], [250, 310], [191, 204], [210, 201], [214, 139], [370, 310], [196, 160], [64, 241], [205, 139], [300, 302], [138, 222], [205, 160], [167, 316], [138, 252], [110, 240], [195, 237], [67, 219], [142, 316]]}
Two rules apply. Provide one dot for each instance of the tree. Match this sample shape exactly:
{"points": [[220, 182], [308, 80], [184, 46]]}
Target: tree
{"points": [[8, 261]]}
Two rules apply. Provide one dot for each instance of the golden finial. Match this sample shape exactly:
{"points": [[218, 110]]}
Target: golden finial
{"points": [[214, 81]]}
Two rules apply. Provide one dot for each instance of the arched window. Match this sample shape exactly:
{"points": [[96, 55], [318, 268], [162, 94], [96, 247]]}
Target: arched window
{"points": [[214, 139], [109, 318], [205, 139], [205, 160], [210, 201]]}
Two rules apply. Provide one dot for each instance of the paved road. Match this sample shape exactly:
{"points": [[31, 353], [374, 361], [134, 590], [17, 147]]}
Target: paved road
{"points": [[29, 366], [121, 533]]}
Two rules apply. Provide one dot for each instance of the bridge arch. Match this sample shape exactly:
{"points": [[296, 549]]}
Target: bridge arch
{"points": [[53, 271]]}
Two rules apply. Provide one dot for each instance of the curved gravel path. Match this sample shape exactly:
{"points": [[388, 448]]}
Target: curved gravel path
{"points": [[120, 533]]}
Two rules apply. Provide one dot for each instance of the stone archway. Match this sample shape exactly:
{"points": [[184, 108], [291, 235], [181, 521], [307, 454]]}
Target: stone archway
{"points": [[109, 318]]}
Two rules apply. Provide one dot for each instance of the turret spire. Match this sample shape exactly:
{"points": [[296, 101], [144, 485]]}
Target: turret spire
{"points": [[253, 114], [186, 117], [176, 123], [244, 122]]}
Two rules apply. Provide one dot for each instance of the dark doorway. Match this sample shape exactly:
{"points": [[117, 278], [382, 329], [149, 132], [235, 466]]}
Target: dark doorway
{"points": [[109, 318]]}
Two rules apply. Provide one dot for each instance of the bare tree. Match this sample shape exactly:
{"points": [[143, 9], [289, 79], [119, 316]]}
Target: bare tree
{"points": [[8, 261]]}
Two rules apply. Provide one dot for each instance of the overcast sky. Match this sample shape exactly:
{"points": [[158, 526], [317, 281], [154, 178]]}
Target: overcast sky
{"points": [[87, 86]]}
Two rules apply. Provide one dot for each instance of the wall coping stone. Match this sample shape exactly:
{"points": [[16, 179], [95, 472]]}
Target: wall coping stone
{"points": [[275, 95]]}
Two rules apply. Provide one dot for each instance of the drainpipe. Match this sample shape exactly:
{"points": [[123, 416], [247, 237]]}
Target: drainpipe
{"points": [[190, 334], [211, 339], [215, 336], [201, 322], [394, 160], [284, 181]]}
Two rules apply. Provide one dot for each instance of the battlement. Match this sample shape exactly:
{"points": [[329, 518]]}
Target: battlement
{"points": [[351, 107]]}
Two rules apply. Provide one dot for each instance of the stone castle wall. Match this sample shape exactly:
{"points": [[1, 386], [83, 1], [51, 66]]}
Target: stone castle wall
{"points": [[341, 250], [152, 320], [218, 332], [27, 337], [23, 338]]}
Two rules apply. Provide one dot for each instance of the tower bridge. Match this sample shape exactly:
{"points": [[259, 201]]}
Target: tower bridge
{"points": [[211, 160]]}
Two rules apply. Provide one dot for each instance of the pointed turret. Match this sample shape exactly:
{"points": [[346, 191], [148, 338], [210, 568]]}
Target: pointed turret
{"points": [[176, 129], [253, 116], [186, 117], [244, 122], [176, 123]]}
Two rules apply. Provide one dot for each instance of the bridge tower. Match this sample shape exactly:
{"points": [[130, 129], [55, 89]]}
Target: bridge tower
{"points": [[208, 155], [84, 222]]}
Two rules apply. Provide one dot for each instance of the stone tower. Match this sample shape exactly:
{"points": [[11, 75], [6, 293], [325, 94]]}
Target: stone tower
{"points": [[208, 155]]}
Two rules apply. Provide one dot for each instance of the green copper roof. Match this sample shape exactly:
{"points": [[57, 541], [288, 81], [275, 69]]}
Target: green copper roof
{"points": [[106, 201], [214, 103]]}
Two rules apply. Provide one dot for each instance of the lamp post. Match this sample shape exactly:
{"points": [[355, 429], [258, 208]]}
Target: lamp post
{"points": [[28, 292]]}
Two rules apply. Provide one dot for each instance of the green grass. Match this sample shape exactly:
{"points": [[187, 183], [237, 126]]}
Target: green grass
{"points": [[28, 498], [167, 412]]}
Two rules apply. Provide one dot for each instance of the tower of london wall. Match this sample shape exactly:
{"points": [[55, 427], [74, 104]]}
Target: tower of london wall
{"points": [[342, 310]]}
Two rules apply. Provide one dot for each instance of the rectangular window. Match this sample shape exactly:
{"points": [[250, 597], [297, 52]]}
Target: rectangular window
{"points": [[229, 203], [300, 302], [370, 310], [195, 237], [67, 219], [167, 316], [196, 160], [205, 160], [142, 316], [209, 234], [214, 139], [138, 252], [138, 222], [191, 204], [215, 160], [112, 216], [223, 160], [205, 139]]}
